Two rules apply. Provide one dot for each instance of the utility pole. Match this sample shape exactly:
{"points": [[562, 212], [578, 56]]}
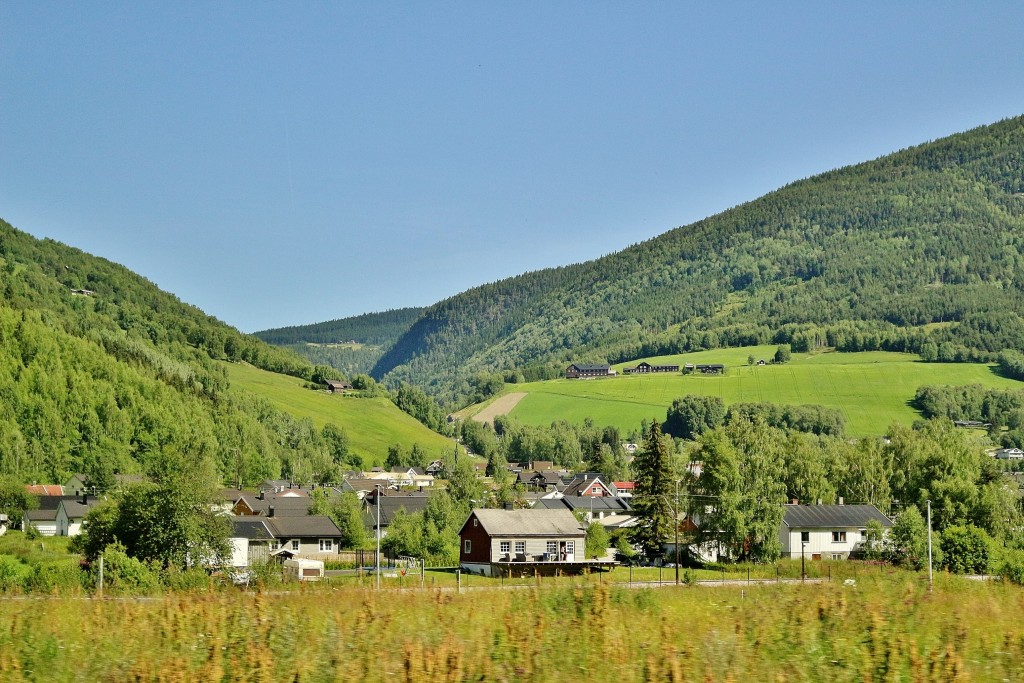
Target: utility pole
{"points": [[675, 521], [377, 557]]}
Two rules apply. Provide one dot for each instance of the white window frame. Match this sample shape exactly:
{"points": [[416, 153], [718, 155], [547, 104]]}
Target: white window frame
{"points": [[467, 547], [839, 537], [837, 556], [327, 545], [552, 548], [570, 548], [296, 545], [504, 547], [520, 547]]}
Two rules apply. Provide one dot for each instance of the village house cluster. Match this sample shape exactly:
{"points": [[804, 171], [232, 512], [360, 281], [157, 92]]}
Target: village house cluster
{"points": [[273, 521]]}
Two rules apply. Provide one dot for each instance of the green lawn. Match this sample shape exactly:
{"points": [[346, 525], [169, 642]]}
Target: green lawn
{"points": [[372, 424], [872, 389]]}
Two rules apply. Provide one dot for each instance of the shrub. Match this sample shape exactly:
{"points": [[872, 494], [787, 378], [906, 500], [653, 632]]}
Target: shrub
{"points": [[965, 549], [13, 574], [125, 574]]}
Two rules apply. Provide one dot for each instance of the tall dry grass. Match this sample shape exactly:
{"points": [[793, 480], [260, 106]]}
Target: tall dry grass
{"points": [[886, 628]]}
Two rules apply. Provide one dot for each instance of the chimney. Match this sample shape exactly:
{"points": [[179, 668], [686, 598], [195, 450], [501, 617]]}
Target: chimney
{"points": [[819, 501], [840, 500], [261, 495], [270, 511], [85, 498], [795, 501]]}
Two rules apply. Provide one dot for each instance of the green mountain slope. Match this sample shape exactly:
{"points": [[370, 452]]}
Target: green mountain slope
{"points": [[871, 390], [918, 248], [374, 424], [103, 373]]}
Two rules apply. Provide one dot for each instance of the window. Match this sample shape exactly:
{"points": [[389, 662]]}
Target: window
{"points": [[837, 556], [295, 545], [467, 547], [326, 545], [504, 547], [839, 537], [805, 536], [570, 547], [521, 547], [274, 545], [552, 548]]}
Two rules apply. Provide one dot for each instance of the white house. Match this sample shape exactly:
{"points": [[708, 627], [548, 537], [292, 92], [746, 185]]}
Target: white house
{"points": [[829, 532], [71, 513], [1010, 454]]}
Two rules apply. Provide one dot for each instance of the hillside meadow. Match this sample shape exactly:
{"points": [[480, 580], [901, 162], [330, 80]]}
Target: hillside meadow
{"points": [[871, 389], [372, 424], [887, 628]]}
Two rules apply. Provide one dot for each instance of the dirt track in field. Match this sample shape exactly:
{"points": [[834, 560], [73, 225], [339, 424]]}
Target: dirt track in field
{"points": [[502, 406]]}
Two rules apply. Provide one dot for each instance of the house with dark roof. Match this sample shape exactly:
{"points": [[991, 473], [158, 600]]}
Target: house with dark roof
{"points": [[257, 539], [589, 484], [830, 532], [584, 370], [524, 542], [44, 518], [263, 503], [645, 367], [710, 368], [71, 513], [388, 505], [592, 508]]}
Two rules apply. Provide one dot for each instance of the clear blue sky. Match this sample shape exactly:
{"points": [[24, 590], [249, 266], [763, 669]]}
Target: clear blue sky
{"points": [[289, 163]]}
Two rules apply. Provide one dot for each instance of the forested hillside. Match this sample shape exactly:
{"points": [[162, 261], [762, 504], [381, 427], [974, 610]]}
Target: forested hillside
{"points": [[352, 345], [101, 372], [917, 251], [374, 329]]}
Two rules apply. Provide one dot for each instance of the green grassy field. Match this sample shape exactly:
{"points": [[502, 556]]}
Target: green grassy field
{"points": [[372, 424], [879, 628], [872, 389]]}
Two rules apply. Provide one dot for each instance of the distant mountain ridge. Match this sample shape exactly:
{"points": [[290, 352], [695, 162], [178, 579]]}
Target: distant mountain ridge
{"points": [[377, 329], [918, 249]]}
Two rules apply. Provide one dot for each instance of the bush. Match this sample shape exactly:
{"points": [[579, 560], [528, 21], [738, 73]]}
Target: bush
{"points": [[965, 549], [55, 577], [1011, 566], [125, 574], [13, 574]]}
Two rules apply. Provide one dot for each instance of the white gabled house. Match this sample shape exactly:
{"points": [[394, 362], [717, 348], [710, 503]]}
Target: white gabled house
{"points": [[829, 532]]}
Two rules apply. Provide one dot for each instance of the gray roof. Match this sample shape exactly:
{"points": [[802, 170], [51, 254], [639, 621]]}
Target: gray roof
{"points": [[590, 366], [302, 527], [587, 503], [74, 509], [531, 522], [284, 506], [390, 505], [253, 528], [829, 516], [41, 515]]}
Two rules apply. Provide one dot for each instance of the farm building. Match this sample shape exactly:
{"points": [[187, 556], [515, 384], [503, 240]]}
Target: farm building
{"points": [[580, 370], [645, 367]]}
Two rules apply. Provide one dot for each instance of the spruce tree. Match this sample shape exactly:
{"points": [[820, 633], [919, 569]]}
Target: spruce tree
{"points": [[653, 496]]}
